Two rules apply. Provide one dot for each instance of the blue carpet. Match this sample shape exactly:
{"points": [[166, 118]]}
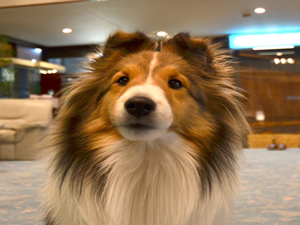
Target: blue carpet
{"points": [[270, 190]]}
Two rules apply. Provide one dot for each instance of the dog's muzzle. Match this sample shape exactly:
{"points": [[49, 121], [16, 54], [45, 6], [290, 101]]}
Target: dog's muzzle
{"points": [[143, 113]]}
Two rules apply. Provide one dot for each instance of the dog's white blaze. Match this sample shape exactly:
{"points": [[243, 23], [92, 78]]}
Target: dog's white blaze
{"points": [[151, 67]]}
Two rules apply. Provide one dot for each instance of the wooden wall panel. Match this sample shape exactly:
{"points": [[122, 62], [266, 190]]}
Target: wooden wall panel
{"points": [[274, 92]]}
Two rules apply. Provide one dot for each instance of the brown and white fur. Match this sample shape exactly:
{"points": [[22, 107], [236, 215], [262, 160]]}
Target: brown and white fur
{"points": [[147, 137]]}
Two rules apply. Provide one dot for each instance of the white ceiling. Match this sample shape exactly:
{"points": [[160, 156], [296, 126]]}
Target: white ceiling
{"points": [[93, 21]]}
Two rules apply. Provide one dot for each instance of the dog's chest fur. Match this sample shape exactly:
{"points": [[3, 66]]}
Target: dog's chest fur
{"points": [[154, 183]]}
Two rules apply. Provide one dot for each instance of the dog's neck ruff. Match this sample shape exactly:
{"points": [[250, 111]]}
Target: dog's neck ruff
{"points": [[149, 181]]}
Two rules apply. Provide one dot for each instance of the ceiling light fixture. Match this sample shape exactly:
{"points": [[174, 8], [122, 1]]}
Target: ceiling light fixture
{"points": [[275, 47], [276, 61], [67, 30], [265, 41], [161, 34], [290, 60], [283, 60], [281, 53], [259, 10], [38, 50]]}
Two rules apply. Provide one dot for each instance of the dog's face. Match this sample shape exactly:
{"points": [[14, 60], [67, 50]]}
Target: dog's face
{"points": [[148, 95], [140, 110]]}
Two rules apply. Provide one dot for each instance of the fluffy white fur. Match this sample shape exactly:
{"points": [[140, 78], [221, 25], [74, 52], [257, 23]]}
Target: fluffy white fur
{"points": [[149, 171]]}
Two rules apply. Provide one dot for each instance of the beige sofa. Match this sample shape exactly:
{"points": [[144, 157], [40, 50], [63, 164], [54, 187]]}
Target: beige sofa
{"points": [[22, 121]]}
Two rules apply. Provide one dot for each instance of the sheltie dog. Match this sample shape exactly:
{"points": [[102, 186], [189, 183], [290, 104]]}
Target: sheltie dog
{"points": [[147, 137]]}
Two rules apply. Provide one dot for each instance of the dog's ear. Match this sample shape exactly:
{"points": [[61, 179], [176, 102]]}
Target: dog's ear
{"points": [[190, 47], [127, 43]]}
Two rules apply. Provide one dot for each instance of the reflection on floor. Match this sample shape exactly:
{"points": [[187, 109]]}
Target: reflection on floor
{"points": [[270, 190]]}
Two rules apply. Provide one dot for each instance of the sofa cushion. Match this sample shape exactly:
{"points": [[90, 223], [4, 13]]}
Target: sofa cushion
{"points": [[12, 123]]}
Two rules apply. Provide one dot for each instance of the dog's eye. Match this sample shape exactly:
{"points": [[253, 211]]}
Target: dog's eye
{"points": [[175, 84], [122, 81]]}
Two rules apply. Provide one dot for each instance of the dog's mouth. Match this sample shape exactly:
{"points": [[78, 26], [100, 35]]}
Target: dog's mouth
{"points": [[137, 130], [139, 126]]}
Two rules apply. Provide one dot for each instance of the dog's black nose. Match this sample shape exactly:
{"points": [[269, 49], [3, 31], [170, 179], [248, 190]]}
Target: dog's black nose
{"points": [[139, 106]]}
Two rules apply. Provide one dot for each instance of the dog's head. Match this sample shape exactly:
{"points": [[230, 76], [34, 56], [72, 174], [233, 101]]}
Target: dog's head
{"points": [[136, 93]]}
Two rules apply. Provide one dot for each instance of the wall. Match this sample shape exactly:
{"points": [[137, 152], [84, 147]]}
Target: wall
{"points": [[273, 90]]}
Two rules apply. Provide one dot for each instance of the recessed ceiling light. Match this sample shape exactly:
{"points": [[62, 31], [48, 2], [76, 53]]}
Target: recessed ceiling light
{"points": [[38, 50], [276, 61], [259, 10], [283, 60], [67, 30], [290, 61], [161, 34]]}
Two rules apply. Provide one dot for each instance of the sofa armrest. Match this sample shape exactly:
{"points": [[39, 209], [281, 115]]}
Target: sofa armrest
{"points": [[17, 134]]}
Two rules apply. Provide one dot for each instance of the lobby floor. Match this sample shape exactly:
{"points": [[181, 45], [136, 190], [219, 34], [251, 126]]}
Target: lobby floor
{"points": [[270, 190]]}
